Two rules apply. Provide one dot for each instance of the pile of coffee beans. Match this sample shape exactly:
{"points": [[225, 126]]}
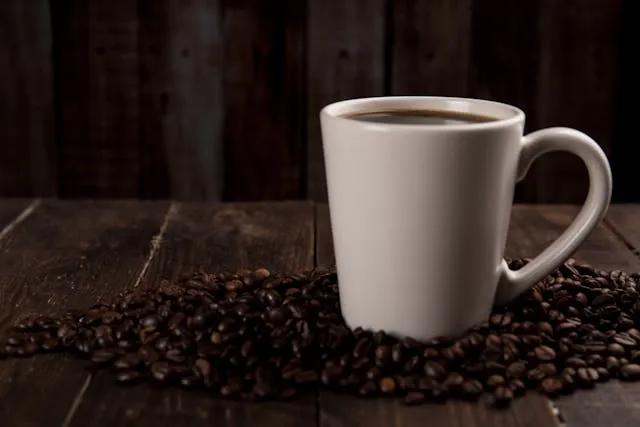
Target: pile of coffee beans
{"points": [[261, 335]]}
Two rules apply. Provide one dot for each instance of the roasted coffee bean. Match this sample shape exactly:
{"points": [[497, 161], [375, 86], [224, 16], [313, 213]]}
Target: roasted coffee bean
{"points": [[495, 381], [434, 369], [630, 372], [551, 386], [501, 320], [387, 385], [516, 370], [453, 381], [625, 340], [517, 387], [471, 389], [502, 397], [545, 353], [103, 356], [128, 376], [414, 398], [369, 388], [576, 362], [586, 377], [548, 369], [616, 349], [160, 370], [612, 364]]}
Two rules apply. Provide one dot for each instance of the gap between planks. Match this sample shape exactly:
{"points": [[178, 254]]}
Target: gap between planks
{"points": [[620, 236], [156, 241], [154, 245], [21, 217]]}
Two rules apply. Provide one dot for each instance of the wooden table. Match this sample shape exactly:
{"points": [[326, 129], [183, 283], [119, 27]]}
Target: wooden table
{"points": [[57, 254]]}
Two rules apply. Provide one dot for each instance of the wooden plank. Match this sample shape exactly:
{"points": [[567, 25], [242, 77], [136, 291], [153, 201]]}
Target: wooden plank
{"points": [[623, 158], [28, 162], [65, 255], [181, 102], [264, 99], [623, 219], [96, 53], [431, 46], [338, 410], [532, 229], [212, 238], [503, 61], [576, 82], [13, 212], [345, 59]]}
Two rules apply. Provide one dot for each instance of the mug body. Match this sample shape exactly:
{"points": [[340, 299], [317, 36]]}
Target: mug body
{"points": [[419, 212]]}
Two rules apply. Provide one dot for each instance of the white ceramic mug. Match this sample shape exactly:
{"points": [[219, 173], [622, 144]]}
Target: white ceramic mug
{"points": [[420, 212]]}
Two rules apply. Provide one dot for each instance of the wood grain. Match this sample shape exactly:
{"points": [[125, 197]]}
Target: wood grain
{"points": [[264, 99], [624, 164], [65, 255], [28, 162], [337, 410], [431, 47], [96, 54], [504, 62], [532, 229], [212, 238], [623, 219], [576, 75], [345, 59], [10, 213], [181, 99]]}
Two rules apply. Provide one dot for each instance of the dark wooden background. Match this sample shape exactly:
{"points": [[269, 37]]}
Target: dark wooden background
{"points": [[218, 99]]}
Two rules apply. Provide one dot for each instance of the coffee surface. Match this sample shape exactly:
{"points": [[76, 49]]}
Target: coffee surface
{"points": [[420, 117]]}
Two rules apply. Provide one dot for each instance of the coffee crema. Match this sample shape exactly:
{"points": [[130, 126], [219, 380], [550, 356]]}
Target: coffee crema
{"points": [[419, 117]]}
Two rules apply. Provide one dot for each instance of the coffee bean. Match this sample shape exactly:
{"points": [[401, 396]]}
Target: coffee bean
{"points": [[624, 340], [576, 362], [434, 369], [453, 381], [128, 376], [501, 320], [369, 388], [160, 370], [306, 377], [616, 349], [612, 364], [545, 353], [414, 398], [471, 389], [502, 397], [516, 370], [630, 372], [586, 377], [103, 356], [548, 369], [495, 381], [387, 385]]}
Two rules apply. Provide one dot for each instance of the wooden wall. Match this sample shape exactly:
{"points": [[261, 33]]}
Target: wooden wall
{"points": [[219, 99]]}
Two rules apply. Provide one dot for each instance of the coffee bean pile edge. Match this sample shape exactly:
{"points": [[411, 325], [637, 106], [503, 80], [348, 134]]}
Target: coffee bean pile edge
{"points": [[256, 335]]}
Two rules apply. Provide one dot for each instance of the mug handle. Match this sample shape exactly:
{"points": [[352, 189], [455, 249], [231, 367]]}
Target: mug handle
{"points": [[515, 282]]}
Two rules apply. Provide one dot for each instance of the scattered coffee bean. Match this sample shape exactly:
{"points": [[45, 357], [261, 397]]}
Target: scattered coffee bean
{"points": [[414, 398], [262, 335], [630, 372], [502, 397]]}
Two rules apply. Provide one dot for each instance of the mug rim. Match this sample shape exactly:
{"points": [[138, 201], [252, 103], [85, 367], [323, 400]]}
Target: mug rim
{"points": [[508, 115]]}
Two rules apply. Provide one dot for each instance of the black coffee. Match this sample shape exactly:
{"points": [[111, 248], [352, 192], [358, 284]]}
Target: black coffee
{"points": [[420, 117]]}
